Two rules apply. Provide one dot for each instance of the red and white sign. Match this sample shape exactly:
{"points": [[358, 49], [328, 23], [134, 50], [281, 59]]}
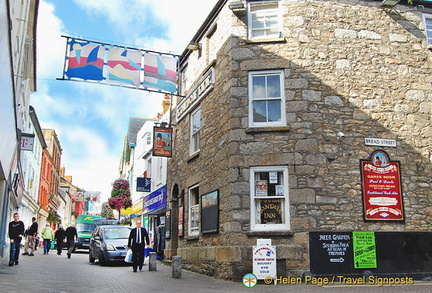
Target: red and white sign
{"points": [[382, 192]]}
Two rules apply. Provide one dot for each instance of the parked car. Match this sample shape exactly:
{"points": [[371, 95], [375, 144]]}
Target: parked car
{"points": [[108, 244]]}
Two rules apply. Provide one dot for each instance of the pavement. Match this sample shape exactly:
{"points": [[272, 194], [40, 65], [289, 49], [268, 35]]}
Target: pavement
{"points": [[54, 273]]}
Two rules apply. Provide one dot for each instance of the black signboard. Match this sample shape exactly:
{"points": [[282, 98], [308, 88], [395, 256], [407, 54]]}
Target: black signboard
{"points": [[331, 252], [210, 212]]}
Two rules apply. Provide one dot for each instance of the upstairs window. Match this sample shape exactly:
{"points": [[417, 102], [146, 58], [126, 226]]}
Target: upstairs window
{"points": [[427, 19], [264, 20], [266, 99], [195, 131]]}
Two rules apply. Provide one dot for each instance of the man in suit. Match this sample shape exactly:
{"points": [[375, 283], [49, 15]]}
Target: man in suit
{"points": [[137, 237]]}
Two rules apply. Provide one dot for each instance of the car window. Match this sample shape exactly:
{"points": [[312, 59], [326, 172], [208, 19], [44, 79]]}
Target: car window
{"points": [[116, 233]]}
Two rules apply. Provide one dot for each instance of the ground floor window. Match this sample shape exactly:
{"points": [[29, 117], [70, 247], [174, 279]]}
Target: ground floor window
{"points": [[269, 198], [194, 211]]}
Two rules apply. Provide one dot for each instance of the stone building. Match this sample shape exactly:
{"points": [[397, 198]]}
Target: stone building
{"points": [[281, 104]]}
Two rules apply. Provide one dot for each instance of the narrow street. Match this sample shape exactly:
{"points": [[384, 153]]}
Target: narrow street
{"points": [[57, 274]]}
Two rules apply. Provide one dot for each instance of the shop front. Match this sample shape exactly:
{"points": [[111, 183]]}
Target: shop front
{"points": [[154, 213]]}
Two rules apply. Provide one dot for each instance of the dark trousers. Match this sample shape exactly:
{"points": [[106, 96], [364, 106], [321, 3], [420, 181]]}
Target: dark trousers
{"points": [[59, 246], [70, 246], [138, 256], [15, 250]]}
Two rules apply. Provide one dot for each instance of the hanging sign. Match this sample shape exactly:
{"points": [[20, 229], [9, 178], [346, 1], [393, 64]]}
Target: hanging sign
{"points": [[162, 141], [27, 141], [382, 189]]}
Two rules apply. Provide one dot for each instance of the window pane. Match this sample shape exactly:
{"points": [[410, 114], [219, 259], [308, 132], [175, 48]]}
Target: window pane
{"points": [[270, 211], [258, 84], [274, 111], [273, 86], [259, 111]]}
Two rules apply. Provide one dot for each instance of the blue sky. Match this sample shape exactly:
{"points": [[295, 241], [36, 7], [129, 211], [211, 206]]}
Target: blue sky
{"points": [[91, 120]]}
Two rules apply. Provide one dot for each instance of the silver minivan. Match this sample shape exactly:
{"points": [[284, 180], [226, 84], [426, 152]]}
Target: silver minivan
{"points": [[109, 243]]}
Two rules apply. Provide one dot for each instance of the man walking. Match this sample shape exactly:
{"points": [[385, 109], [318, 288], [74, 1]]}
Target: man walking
{"points": [[71, 235], [136, 240], [31, 237], [16, 232]]}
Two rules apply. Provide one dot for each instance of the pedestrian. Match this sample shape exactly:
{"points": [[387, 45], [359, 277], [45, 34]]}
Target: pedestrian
{"points": [[47, 235], [31, 238], [16, 232], [71, 235], [59, 236], [137, 237]]}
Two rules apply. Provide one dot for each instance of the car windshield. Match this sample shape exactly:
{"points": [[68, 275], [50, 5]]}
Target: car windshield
{"points": [[116, 233], [85, 227]]}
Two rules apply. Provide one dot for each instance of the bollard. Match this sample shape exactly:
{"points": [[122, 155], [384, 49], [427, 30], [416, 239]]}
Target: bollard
{"points": [[176, 267], [152, 261]]}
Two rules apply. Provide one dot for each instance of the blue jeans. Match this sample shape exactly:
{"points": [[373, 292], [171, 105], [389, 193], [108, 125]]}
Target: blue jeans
{"points": [[15, 250], [47, 245]]}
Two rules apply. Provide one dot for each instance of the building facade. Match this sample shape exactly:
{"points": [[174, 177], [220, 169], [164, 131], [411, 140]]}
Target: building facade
{"points": [[17, 81], [283, 102]]}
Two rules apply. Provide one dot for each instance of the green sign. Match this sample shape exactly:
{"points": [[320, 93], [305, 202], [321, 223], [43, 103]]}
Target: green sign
{"points": [[364, 250]]}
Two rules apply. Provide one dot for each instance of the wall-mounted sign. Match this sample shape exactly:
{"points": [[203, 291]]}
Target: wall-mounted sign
{"points": [[27, 141], [143, 184], [155, 201], [204, 86], [180, 220], [330, 252], [382, 190], [210, 212], [380, 142], [162, 141], [364, 250]]}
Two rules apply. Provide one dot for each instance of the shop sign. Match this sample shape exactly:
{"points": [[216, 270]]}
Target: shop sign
{"points": [[156, 200], [381, 187], [27, 141], [204, 86], [271, 211], [264, 261], [162, 141], [364, 250], [143, 184]]}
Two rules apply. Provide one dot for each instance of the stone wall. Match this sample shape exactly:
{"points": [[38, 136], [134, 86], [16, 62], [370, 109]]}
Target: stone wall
{"points": [[350, 67]]}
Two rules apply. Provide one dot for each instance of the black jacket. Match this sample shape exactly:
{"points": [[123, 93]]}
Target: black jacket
{"points": [[15, 229], [33, 229], [132, 237]]}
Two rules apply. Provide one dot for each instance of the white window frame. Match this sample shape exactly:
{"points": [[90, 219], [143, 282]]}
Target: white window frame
{"points": [[265, 11], [194, 212], [427, 21], [255, 198], [281, 98], [195, 133]]}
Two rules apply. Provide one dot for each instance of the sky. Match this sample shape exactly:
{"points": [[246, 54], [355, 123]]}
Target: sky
{"points": [[91, 120]]}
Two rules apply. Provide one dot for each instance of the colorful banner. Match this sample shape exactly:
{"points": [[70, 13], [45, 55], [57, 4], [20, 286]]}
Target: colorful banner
{"points": [[382, 191], [160, 72], [85, 60], [130, 67], [124, 66]]}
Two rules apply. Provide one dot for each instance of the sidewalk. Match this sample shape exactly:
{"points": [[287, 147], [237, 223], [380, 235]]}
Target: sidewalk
{"points": [[54, 274]]}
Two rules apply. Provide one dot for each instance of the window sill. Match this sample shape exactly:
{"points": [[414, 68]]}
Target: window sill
{"points": [[192, 237], [192, 157], [267, 129], [270, 233], [263, 41]]}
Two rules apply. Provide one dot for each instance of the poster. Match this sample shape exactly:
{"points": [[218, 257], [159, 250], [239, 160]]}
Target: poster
{"points": [[364, 250], [381, 187]]}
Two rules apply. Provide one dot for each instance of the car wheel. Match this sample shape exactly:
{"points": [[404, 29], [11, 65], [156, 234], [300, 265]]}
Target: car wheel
{"points": [[102, 260], [91, 259]]}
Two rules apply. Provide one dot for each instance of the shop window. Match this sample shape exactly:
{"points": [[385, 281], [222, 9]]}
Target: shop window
{"points": [[195, 131], [427, 19], [266, 99], [269, 198], [264, 20], [194, 211]]}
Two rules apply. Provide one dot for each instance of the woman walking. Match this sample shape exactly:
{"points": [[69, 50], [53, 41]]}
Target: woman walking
{"points": [[47, 235]]}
